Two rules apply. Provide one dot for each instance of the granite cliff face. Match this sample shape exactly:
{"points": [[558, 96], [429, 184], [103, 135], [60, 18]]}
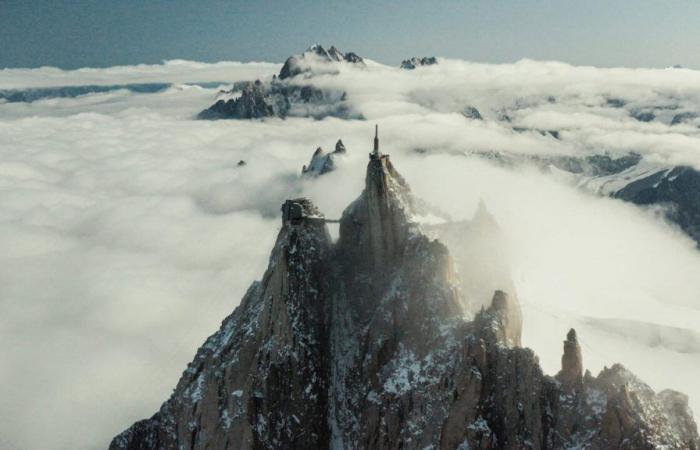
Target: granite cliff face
{"points": [[362, 344]]}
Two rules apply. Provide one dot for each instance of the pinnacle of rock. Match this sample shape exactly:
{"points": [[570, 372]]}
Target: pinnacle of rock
{"points": [[297, 64], [415, 62], [340, 147], [322, 162], [504, 317], [378, 223], [571, 374], [362, 344], [299, 210]]}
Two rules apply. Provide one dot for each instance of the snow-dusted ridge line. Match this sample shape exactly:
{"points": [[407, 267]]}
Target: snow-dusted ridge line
{"points": [[361, 344]]}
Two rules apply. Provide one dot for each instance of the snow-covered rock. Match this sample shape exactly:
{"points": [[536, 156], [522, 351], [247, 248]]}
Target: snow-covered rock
{"points": [[673, 189], [362, 344], [317, 57], [281, 97], [415, 62]]}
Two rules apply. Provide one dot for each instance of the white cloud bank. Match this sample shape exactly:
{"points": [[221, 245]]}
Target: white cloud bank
{"points": [[128, 231]]}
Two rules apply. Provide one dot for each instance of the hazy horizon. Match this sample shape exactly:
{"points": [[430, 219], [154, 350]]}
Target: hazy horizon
{"points": [[130, 228], [75, 34]]}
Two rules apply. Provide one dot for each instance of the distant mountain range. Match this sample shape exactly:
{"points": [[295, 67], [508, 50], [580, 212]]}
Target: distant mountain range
{"points": [[673, 189], [287, 95]]}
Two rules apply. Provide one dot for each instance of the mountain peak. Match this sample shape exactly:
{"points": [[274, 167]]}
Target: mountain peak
{"points": [[297, 64], [322, 162], [379, 222], [340, 147], [363, 344], [415, 62], [502, 321], [571, 374]]}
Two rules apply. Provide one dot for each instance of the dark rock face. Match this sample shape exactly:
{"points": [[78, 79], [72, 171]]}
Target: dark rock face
{"points": [[415, 62], [684, 117], [254, 102], [471, 113], [322, 162], [675, 407], [353, 58], [616, 102], [644, 116], [362, 345], [281, 98], [678, 189], [262, 378], [340, 147], [298, 64], [276, 99], [553, 133]]}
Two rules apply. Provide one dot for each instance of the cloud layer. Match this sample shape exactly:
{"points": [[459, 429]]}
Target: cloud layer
{"points": [[129, 231]]}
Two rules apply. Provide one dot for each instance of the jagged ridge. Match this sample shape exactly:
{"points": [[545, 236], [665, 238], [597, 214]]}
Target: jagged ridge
{"points": [[322, 162], [361, 344], [283, 96]]}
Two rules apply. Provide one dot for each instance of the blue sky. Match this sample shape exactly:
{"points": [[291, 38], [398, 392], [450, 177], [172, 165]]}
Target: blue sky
{"points": [[78, 33]]}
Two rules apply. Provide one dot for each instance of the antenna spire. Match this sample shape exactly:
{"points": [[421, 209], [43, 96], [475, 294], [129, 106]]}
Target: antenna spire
{"points": [[376, 139]]}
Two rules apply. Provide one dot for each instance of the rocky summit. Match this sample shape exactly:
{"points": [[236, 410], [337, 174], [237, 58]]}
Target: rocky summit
{"points": [[316, 55], [322, 162], [364, 343], [284, 95], [415, 62]]}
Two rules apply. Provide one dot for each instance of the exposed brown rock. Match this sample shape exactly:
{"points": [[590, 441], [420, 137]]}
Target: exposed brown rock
{"points": [[571, 374], [362, 345]]}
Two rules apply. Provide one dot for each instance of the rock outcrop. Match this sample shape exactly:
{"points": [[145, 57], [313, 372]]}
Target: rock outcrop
{"points": [[471, 113], [684, 117], [322, 162], [284, 96], [677, 189], [254, 102], [362, 344], [415, 62], [571, 374], [643, 116], [257, 100], [316, 55]]}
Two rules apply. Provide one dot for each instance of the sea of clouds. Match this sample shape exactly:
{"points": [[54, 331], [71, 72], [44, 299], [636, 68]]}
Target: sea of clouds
{"points": [[128, 230]]}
